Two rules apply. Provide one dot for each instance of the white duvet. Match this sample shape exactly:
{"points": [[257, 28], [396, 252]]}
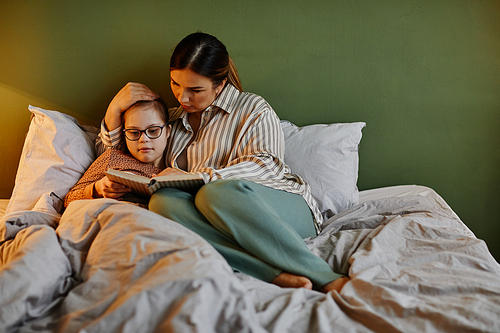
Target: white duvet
{"points": [[109, 266]]}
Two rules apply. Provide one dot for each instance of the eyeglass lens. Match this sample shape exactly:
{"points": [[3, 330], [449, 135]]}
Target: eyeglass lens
{"points": [[152, 132]]}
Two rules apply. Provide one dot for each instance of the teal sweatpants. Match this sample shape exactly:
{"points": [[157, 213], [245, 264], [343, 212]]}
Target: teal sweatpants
{"points": [[259, 230]]}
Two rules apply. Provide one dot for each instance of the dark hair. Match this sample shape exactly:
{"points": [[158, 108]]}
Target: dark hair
{"points": [[158, 104], [205, 55]]}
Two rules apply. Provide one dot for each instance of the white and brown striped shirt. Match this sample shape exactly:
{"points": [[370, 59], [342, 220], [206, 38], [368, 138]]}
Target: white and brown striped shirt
{"points": [[239, 136]]}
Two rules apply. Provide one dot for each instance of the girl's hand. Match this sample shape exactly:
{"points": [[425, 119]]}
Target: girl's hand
{"points": [[128, 95], [105, 188]]}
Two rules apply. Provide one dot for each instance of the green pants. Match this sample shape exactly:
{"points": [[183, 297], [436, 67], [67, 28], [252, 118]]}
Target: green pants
{"points": [[258, 230]]}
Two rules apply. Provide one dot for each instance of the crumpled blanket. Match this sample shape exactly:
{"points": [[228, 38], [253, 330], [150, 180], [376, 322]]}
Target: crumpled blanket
{"points": [[110, 266]]}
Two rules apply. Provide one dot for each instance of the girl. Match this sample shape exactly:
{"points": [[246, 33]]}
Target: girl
{"points": [[146, 133]]}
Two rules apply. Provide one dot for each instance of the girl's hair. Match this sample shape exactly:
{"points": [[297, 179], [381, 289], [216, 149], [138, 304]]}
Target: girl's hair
{"points": [[205, 55], [158, 105]]}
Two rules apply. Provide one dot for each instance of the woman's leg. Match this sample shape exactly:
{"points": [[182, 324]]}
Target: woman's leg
{"points": [[268, 223], [179, 206]]}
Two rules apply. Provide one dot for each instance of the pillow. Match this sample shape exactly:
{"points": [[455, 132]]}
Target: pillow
{"points": [[326, 156], [56, 153], [3, 206]]}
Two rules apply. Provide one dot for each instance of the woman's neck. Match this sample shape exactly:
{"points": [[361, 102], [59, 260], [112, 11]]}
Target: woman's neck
{"points": [[194, 120]]}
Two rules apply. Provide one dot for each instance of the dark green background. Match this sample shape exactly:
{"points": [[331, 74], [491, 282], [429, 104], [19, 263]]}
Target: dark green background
{"points": [[423, 75]]}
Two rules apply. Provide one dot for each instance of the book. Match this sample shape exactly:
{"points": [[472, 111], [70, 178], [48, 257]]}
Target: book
{"points": [[147, 186]]}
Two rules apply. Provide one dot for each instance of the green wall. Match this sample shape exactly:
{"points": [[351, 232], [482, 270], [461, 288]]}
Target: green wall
{"points": [[424, 75]]}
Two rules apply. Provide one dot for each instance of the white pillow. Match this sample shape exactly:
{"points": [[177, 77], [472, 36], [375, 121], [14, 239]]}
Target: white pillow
{"points": [[326, 156], [56, 152]]}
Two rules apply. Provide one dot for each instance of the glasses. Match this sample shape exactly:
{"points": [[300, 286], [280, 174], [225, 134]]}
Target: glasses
{"points": [[153, 132]]}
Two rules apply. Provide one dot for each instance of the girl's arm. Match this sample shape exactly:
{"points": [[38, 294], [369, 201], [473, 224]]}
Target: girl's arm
{"points": [[95, 184]]}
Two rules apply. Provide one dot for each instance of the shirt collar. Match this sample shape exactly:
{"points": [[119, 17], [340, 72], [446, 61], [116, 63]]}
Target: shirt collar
{"points": [[226, 99]]}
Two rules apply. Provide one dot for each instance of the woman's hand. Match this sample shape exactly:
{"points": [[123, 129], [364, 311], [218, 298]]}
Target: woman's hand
{"points": [[128, 95], [105, 188]]}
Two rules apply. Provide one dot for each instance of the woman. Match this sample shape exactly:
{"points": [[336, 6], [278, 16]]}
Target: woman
{"points": [[251, 209]]}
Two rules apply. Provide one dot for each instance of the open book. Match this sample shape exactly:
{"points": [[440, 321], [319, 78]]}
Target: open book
{"points": [[147, 186]]}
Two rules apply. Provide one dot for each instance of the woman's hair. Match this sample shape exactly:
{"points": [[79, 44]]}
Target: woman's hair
{"points": [[205, 55]]}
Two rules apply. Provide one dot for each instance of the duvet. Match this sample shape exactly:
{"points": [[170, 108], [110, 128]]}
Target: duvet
{"points": [[109, 266]]}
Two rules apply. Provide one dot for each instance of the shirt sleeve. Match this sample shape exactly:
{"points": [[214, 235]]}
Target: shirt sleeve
{"points": [[109, 139], [260, 151]]}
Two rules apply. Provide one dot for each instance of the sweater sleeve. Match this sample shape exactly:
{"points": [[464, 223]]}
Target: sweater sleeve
{"points": [[83, 189]]}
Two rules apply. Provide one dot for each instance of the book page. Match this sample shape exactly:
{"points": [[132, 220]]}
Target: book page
{"points": [[146, 186], [138, 184]]}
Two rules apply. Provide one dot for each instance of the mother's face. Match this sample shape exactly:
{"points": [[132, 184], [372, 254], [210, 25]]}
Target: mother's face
{"points": [[194, 92]]}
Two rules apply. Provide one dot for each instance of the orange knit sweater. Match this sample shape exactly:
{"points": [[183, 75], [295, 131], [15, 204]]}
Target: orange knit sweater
{"points": [[110, 159]]}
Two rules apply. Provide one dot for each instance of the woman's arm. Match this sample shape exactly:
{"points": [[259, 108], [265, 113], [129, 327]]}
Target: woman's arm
{"points": [[111, 135], [259, 151]]}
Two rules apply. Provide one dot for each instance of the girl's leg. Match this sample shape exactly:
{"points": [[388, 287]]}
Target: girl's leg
{"points": [[179, 206], [268, 223]]}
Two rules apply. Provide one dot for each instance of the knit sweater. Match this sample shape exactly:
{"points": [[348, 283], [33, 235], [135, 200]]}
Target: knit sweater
{"points": [[110, 159]]}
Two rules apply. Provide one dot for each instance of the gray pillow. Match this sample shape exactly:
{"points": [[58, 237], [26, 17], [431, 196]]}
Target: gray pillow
{"points": [[56, 152], [326, 156]]}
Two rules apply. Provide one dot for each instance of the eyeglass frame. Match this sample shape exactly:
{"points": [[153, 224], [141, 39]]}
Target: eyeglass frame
{"points": [[143, 132]]}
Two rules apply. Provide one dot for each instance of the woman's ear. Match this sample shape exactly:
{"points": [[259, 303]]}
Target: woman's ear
{"points": [[221, 86]]}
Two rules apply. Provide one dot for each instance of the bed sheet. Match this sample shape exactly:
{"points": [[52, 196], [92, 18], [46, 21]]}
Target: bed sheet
{"points": [[395, 191], [114, 267], [414, 268]]}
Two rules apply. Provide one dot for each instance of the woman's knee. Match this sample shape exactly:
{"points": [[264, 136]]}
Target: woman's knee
{"points": [[167, 200], [222, 191]]}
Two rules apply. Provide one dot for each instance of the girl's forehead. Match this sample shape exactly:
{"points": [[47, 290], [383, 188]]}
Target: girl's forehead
{"points": [[142, 115]]}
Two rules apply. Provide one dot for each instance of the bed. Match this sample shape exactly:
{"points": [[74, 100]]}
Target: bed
{"points": [[108, 266]]}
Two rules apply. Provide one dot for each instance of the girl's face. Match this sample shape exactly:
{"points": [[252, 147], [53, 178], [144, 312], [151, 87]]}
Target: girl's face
{"points": [[145, 149], [194, 92]]}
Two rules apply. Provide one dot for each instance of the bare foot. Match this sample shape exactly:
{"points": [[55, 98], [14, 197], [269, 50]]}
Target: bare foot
{"points": [[335, 284], [287, 280]]}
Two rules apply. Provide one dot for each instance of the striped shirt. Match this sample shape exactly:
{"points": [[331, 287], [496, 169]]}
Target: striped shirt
{"points": [[239, 136]]}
